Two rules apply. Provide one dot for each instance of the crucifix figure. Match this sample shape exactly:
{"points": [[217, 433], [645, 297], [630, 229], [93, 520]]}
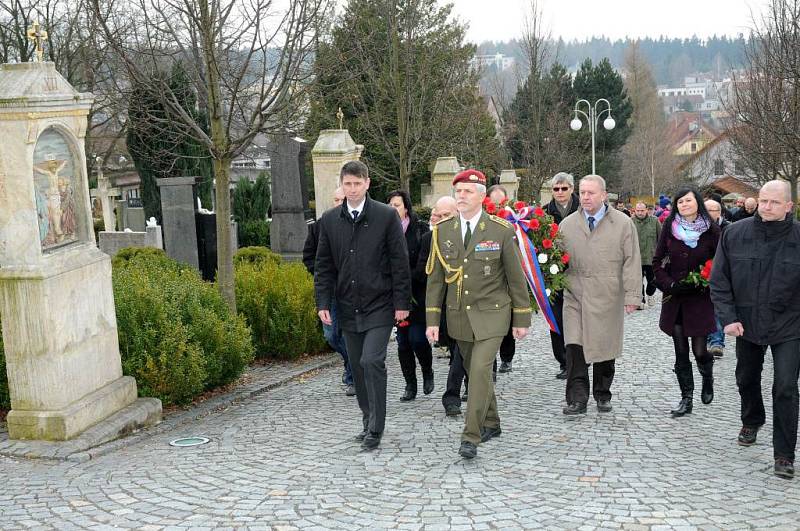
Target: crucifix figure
{"points": [[340, 116], [38, 36]]}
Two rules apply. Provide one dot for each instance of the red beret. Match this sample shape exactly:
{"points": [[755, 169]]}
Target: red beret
{"points": [[470, 176]]}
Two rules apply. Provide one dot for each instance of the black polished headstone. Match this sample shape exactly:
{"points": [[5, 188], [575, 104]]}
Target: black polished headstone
{"points": [[288, 229]]}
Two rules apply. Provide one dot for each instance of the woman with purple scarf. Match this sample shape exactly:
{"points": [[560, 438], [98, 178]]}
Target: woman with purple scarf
{"points": [[688, 241]]}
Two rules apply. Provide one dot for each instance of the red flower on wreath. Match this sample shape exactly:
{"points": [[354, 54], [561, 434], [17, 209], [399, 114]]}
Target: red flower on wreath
{"points": [[538, 212], [565, 258], [519, 205], [487, 201], [491, 208], [553, 230], [535, 223], [547, 244]]}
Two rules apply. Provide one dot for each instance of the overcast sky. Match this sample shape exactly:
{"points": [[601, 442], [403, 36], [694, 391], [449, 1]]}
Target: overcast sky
{"points": [[500, 20]]}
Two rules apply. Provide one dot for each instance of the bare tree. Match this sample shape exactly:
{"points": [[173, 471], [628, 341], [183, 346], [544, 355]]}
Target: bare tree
{"points": [[765, 101], [249, 61], [647, 163]]}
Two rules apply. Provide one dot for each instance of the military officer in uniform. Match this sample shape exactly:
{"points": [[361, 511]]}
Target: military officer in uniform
{"points": [[477, 255]]}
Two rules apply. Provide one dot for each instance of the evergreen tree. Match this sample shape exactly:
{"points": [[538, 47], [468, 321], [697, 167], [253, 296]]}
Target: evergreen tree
{"points": [[399, 69], [160, 150]]}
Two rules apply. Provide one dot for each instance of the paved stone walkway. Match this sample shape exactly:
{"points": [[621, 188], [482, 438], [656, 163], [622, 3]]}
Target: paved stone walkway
{"points": [[284, 459]]}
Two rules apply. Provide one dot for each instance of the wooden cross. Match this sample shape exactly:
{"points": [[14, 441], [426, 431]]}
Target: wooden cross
{"points": [[38, 36]]}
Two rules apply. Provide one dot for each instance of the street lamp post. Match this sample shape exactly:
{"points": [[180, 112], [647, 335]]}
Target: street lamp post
{"points": [[592, 118]]}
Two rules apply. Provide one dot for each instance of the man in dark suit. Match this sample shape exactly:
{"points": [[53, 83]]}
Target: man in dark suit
{"points": [[362, 262]]}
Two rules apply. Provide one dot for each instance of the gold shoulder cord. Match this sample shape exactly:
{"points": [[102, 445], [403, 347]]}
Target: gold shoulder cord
{"points": [[455, 274]]}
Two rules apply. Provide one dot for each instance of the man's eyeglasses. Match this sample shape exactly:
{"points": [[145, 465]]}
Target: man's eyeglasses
{"points": [[560, 188]]}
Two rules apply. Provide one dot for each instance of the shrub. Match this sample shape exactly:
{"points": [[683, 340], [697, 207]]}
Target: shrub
{"points": [[254, 255], [423, 213], [253, 232], [177, 336], [277, 300]]}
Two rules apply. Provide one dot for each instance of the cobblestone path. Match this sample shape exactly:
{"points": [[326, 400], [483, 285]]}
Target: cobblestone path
{"points": [[285, 459]]}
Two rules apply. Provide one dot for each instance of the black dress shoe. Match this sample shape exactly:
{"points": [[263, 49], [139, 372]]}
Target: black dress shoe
{"points": [[784, 468], [452, 410], [468, 450], [505, 367], [409, 394], [747, 436], [604, 406], [427, 383], [562, 375], [371, 441], [360, 436], [574, 409], [490, 433]]}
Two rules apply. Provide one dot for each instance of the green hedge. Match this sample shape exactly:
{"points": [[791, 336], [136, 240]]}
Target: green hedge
{"points": [[277, 299], [253, 232], [256, 255], [177, 337]]}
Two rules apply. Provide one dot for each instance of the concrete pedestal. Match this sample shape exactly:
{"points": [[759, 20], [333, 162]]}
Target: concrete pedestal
{"points": [[442, 176], [334, 148]]}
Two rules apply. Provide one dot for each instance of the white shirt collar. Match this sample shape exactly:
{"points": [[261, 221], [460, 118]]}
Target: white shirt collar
{"points": [[359, 207], [473, 223]]}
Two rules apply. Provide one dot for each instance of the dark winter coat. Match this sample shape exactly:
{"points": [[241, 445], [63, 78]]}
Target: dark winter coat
{"points": [[756, 279], [364, 265], [552, 209], [310, 247], [414, 234], [672, 262]]}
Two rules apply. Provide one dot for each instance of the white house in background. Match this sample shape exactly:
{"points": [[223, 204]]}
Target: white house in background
{"points": [[718, 161], [498, 60], [252, 162]]}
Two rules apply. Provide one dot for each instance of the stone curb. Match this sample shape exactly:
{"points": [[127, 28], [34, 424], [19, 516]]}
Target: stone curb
{"points": [[201, 410]]}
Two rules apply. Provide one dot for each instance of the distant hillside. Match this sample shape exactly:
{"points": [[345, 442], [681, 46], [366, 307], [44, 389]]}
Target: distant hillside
{"points": [[671, 59]]}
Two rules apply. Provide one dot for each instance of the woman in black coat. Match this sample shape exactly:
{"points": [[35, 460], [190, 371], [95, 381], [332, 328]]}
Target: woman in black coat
{"points": [[688, 240], [411, 338]]}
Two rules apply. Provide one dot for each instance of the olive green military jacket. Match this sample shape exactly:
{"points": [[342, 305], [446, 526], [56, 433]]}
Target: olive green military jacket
{"points": [[486, 290]]}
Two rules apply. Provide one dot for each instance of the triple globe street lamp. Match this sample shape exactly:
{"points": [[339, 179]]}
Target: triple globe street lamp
{"points": [[593, 117]]}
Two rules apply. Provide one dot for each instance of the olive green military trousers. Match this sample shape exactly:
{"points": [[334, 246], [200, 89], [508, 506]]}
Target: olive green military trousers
{"points": [[481, 402]]}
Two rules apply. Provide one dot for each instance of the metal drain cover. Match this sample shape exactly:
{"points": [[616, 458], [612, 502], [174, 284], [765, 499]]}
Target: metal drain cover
{"points": [[189, 441]]}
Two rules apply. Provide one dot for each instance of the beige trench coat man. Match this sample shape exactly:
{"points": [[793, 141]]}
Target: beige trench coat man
{"points": [[604, 275]]}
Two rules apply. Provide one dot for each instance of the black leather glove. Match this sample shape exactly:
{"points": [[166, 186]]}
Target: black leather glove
{"points": [[679, 288]]}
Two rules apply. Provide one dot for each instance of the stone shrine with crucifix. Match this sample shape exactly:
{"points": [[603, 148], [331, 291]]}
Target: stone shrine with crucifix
{"points": [[56, 298]]}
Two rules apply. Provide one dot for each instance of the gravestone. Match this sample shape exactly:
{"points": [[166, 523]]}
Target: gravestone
{"points": [[333, 149], [288, 229], [105, 194], [111, 242], [178, 203], [442, 176], [510, 181], [56, 298]]}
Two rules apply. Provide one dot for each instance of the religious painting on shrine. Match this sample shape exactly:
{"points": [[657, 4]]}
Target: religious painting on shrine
{"points": [[55, 179]]}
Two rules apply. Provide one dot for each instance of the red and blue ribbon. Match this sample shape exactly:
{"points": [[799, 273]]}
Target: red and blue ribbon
{"points": [[530, 263]]}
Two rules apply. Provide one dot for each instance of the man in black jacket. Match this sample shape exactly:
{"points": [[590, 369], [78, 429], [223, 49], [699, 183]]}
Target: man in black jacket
{"points": [[565, 201], [755, 285], [362, 262], [332, 332]]}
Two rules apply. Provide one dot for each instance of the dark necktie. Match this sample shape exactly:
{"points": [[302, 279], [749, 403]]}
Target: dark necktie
{"points": [[355, 215], [591, 223], [467, 236]]}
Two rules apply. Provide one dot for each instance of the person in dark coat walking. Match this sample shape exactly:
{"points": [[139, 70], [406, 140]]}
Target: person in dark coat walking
{"points": [[565, 201], [410, 335], [755, 286], [362, 261], [688, 240]]}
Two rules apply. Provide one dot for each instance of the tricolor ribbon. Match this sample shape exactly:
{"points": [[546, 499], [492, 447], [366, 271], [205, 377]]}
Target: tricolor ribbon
{"points": [[530, 265]]}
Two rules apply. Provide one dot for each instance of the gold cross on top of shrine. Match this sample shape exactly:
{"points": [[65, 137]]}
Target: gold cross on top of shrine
{"points": [[38, 36]]}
